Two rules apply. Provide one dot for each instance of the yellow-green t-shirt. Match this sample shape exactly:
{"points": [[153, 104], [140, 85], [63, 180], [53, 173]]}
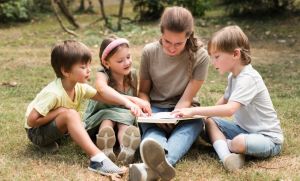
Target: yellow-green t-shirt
{"points": [[54, 96]]}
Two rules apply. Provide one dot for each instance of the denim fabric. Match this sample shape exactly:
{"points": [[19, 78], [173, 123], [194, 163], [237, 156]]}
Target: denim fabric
{"points": [[257, 145], [179, 141]]}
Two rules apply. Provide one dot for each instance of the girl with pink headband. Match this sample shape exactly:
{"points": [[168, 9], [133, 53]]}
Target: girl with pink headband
{"points": [[102, 120]]}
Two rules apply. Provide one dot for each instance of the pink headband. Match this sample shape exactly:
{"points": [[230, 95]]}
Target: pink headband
{"points": [[113, 45]]}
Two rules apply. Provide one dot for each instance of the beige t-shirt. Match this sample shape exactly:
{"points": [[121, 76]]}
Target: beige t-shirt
{"points": [[169, 76], [54, 96]]}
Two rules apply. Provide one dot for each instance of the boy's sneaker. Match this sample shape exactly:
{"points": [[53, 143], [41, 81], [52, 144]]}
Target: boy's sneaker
{"points": [[106, 140], [234, 161], [140, 172], [153, 155], [105, 167], [131, 140], [50, 148]]}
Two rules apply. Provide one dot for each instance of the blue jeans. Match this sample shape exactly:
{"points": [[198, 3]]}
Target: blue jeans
{"points": [[257, 145], [179, 141]]}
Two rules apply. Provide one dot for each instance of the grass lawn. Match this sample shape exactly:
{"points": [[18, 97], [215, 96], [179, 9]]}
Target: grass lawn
{"points": [[25, 61]]}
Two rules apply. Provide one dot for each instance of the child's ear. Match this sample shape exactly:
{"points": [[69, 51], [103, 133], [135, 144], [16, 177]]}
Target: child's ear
{"points": [[64, 72], [237, 53], [105, 64]]}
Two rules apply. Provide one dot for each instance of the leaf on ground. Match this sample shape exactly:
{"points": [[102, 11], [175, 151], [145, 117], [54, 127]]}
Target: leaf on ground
{"points": [[9, 84]]}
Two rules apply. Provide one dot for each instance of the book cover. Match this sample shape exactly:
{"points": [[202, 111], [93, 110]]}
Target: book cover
{"points": [[164, 117]]}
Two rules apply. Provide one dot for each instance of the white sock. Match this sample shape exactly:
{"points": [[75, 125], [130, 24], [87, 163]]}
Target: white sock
{"points": [[229, 144], [221, 148], [99, 157]]}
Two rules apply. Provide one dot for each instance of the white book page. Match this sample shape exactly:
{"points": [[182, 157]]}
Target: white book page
{"points": [[162, 115]]}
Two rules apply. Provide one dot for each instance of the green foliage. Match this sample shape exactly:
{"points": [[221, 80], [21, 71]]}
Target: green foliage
{"points": [[255, 7], [15, 10], [152, 9], [197, 7], [148, 9]]}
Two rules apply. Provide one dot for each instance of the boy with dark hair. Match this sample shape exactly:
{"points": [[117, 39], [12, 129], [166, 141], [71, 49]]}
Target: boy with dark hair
{"points": [[54, 111]]}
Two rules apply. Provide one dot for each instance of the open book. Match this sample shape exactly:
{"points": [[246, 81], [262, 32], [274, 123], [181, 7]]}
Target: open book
{"points": [[164, 117]]}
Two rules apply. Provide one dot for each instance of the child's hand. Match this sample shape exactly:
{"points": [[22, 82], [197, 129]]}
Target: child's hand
{"points": [[183, 112], [144, 105], [134, 108]]}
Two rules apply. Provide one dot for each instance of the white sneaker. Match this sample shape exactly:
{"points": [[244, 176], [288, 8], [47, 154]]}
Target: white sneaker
{"points": [[234, 161], [153, 155], [140, 172]]}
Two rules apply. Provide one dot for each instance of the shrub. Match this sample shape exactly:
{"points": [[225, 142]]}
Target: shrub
{"points": [[254, 7], [15, 10]]}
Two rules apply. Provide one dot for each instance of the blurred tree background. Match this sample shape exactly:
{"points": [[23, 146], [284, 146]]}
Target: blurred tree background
{"points": [[146, 10]]}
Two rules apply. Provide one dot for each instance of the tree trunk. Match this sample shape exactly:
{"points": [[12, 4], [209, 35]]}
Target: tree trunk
{"points": [[120, 14], [67, 13], [81, 7], [60, 21], [103, 13]]}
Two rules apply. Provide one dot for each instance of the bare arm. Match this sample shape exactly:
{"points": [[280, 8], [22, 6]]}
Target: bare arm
{"points": [[221, 101], [145, 86], [224, 110], [190, 92], [109, 95], [35, 119]]}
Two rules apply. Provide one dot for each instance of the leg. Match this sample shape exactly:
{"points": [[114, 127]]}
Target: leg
{"points": [[69, 121], [185, 133], [218, 130], [256, 145]]}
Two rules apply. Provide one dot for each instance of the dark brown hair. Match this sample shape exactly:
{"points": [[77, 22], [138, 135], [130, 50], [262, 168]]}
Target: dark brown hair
{"points": [[128, 79], [66, 54], [178, 19], [228, 39]]}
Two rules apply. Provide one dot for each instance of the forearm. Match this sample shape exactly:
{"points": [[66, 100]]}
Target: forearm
{"points": [[39, 120], [144, 96], [111, 96], [218, 110]]}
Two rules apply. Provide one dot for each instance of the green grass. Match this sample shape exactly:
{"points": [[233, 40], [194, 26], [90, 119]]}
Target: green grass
{"points": [[24, 58]]}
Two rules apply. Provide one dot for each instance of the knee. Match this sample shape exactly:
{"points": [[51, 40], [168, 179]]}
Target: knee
{"points": [[209, 124], [70, 115], [238, 144]]}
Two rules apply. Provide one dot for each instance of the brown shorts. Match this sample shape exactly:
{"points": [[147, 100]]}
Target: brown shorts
{"points": [[45, 134]]}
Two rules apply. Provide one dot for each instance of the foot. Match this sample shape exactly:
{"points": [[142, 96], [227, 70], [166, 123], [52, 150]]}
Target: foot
{"points": [[153, 155], [234, 161], [50, 148], [106, 140], [141, 172], [131, 141], [106, 167]]}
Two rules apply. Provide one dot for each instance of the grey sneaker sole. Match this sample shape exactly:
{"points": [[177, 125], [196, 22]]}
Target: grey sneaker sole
{"points": [[153, 155], [234, 161], [106, 140], [131, 141]]}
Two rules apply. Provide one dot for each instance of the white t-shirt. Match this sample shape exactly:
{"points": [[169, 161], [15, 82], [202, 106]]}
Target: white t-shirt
{"points": [[257, 114]]}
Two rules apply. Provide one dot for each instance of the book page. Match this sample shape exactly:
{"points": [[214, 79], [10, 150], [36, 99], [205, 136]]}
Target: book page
{"points": [[162, 115]]}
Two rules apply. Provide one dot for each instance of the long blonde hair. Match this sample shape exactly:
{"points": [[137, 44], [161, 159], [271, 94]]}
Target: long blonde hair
{"points": [[178, 19], [228, 39]]}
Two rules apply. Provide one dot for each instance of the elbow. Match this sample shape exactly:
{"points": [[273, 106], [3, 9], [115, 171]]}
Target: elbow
{"points": [[32, 123], [230, 111]]}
